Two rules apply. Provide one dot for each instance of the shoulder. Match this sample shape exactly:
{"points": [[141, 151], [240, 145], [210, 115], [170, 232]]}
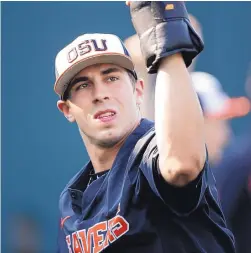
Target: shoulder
{"points": [[137, 142], [146, 139], [144, 145], [148, 129]]}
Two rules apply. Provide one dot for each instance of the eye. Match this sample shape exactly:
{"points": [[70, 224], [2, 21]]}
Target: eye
{"points": [[81, 86], [112, 78]]}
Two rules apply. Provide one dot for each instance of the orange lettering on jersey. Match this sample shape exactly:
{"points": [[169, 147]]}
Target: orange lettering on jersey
{"points": [[109, 235], [75, 244], [103, 234], [98, 236], [86, 242], [68, 241], [120, 226]]}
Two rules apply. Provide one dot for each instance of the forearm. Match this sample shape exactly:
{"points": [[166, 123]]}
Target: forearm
{"points": [[179, 123]]}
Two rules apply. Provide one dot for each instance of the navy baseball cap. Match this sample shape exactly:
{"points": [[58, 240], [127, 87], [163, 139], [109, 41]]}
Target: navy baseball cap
{"points": [[87, 50], [214, 101]]}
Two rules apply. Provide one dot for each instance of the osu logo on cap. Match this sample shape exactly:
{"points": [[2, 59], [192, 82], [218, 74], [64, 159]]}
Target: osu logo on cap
{"points": [[86, 47]]}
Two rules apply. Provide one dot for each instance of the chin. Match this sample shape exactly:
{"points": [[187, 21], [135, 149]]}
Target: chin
{"points": [[108, 142], [109, 138]]}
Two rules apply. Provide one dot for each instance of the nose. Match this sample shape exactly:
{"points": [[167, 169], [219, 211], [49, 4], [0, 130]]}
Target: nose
{"points": [[101, 92]]}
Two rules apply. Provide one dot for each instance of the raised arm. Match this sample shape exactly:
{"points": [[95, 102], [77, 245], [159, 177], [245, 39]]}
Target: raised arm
{"points": [[179, 123], [168, 44]]}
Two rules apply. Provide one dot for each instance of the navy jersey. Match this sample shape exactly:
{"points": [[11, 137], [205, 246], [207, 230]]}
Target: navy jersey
{"points": [[131, 208]]}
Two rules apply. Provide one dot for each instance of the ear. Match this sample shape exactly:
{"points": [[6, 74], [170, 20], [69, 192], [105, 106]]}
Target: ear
{"points": [[64, 107], [139, 91]]}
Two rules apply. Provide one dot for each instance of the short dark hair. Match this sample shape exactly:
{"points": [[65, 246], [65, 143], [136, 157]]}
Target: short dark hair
{"points": [[133, 78], [67, 93]]}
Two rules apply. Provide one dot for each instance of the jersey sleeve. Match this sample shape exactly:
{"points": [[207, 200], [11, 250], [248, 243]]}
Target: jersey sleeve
{"points": [[181, 200]]}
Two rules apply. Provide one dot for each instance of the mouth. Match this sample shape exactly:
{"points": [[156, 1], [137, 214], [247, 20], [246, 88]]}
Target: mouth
{"points": [[106, 115]]}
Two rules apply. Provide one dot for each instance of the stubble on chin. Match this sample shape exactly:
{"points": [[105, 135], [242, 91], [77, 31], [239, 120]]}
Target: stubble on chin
{"points": [[99, 141], [110, 143]]}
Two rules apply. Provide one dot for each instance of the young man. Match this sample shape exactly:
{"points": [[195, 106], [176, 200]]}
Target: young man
{"points": [[146, 188]]}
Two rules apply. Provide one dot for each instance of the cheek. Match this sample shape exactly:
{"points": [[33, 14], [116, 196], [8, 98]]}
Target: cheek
{"points": [[125, 95], [80, 98], [84, 120], [80, 110]]}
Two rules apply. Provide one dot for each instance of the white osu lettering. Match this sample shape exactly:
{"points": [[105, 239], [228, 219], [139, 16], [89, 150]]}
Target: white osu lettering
{"points": [[86, 47]]}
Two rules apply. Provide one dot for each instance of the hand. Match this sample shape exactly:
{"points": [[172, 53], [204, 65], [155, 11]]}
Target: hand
{"points": [[164, 29]]}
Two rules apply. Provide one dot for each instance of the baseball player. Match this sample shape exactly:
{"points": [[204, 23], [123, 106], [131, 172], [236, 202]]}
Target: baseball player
{"points": [[146, 188]]}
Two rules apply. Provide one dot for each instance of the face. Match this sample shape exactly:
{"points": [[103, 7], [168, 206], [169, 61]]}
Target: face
{"points": [[217, 136], [104, 103]]}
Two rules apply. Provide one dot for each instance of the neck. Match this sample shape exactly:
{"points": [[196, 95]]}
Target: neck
{"points": [[103, 158]]}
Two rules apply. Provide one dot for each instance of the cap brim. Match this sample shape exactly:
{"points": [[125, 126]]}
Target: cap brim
{"points": [[233, 108], [116, 59]]}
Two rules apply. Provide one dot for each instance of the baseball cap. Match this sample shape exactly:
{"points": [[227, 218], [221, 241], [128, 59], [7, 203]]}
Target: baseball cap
{"points": [[87, 50], [214, 101]]}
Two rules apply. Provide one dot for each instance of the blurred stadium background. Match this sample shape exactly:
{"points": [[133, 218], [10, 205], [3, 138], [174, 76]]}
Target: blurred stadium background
{"points": [[40, 150]]}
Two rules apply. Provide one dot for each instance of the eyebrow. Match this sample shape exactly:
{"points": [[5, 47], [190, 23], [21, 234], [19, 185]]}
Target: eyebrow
{"points": [[110, 70], [79, 79], [85, 78]]}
